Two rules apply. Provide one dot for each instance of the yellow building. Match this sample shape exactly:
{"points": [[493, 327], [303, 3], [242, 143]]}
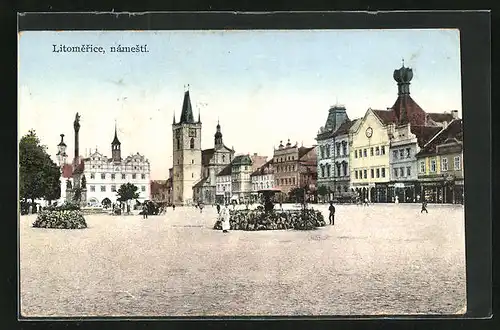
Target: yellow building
{"points": [[369, 156]]}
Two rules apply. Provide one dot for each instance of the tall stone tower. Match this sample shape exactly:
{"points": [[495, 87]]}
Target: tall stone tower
{"points": [[186, 138]]}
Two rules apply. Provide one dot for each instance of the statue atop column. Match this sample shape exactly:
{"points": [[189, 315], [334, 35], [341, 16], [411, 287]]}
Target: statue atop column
{"points": [[84, 182], [76, 125]]}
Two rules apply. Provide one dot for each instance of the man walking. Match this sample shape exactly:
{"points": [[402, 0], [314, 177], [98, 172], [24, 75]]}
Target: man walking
{"points": [[424, 207], [218, 208], [331, 217], [144, 211]]}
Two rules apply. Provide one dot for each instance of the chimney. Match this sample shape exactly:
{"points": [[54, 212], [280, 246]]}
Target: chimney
{"points": [[454, 114]]}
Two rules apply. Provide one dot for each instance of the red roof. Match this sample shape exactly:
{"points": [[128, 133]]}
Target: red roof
{"points": [[67, 171], [453, 131], [386, 116], [415, 115]]}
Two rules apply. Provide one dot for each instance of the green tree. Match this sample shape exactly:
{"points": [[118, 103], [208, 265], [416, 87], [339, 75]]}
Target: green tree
{"points": [[322, 191], [127, 192], [38, 174]]}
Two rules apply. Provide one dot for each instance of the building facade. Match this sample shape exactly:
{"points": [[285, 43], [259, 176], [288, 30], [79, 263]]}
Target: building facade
{"points": [[187, 161], [341, 160], [213, 161], [104, 175], [241, 183], [325, 149], [401, 129], [224, 185], [263, 178], [440, 166]]}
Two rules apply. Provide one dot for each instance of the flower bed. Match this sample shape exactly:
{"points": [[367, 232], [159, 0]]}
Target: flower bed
{"points": [[274, 220], [60, 219]]}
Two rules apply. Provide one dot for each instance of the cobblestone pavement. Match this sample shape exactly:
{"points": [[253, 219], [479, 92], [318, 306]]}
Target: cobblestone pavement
{"points": [[380, 259]]}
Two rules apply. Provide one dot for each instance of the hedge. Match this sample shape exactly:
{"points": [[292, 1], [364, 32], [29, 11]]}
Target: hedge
{"points": [[60, 219], [274, 220]]}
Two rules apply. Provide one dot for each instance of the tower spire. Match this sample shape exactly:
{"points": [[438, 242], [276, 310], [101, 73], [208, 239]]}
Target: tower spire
{"points": [[187, 110]]}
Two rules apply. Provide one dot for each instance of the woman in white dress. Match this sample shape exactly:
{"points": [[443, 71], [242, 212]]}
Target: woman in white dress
{"points": [[225, 216]]}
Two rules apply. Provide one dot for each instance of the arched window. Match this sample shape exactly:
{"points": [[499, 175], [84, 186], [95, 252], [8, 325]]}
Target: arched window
{"points": [[223, 158], [191, 143]]}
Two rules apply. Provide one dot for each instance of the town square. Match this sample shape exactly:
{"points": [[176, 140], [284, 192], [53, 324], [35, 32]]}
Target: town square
{"points": [[235, 182], [376, 260]]}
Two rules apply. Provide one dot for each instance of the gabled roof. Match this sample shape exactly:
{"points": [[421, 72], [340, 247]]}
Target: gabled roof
{"points": [[242, 160], [385, 116], [206, 155], [454, 131], [226, 170], [424, 133], [200, 183], [304, 150], [261, 170]]}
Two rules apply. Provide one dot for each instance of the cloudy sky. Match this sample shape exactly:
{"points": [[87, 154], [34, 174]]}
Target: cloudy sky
{"points": [[263, 86]]}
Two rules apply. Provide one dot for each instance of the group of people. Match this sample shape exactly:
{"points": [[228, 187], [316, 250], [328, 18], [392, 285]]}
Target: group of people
{"points": [[224, 217]]}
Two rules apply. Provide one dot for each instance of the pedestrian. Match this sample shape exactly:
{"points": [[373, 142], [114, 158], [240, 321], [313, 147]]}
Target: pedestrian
{"points": [[144, 211], [201, 207], [366, 202], [218, 209], [225, 217], [281, 206], [424, 207], [173, 207], [331, 217]]}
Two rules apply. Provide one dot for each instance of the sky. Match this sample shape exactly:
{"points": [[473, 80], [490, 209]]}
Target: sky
{"points": [[263, 86]]}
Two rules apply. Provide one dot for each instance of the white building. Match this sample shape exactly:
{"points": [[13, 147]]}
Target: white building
{"points": [[263, 177], [105, 175], [241, 183], [223, 188]]}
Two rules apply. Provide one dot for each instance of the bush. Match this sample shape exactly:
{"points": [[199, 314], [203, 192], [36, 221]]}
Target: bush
{"points": [[60, 219], [260, 220]]}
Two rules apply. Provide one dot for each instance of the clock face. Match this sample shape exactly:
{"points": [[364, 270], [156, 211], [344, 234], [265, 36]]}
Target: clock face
{"points": [[192, 132], [369, 132]]}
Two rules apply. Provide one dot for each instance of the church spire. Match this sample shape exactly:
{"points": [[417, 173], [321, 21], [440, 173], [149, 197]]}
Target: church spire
{"points": [[173, 121], [187, 111], [116, 153], [218, 137]]}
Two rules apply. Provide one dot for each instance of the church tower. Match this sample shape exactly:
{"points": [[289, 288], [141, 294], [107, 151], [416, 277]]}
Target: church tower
{"points": [[116, 152], [187, 168], [218, 144]]}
